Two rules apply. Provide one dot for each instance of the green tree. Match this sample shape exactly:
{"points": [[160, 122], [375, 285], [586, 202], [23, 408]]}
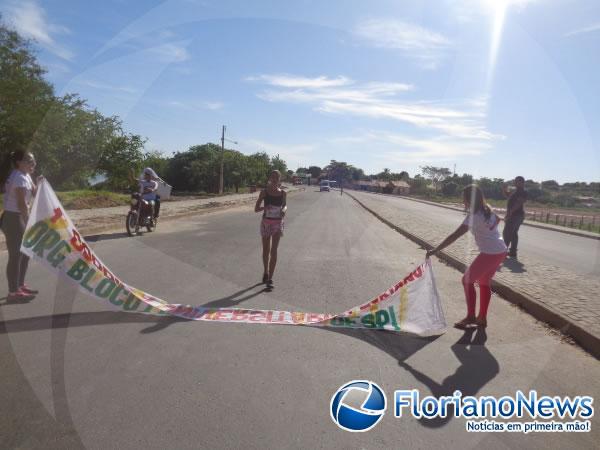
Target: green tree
{"points": [[356, 174], [449, 189], [386, 175], [71, 140], [550, 184], [418, 185], [279, 164], [121, 154], [196, 169], [404, 176], [315, 171], [492, 188], [435, 174], [157, 161], [25, 96], [339, 171]]}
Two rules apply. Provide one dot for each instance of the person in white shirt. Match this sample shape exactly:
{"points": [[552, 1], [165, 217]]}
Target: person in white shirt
{"points": [[149, 187], [19, 190], [483, 223]]}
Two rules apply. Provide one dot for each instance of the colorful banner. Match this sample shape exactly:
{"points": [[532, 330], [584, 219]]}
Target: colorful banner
{"points": [[411, 305]]}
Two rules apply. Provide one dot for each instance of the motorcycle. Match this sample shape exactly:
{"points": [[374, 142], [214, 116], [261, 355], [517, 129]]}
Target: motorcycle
{"points": [[141, 214]]}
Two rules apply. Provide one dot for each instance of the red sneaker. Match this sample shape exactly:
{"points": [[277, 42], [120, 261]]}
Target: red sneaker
{"points": [[19, 296], [27, 290]]}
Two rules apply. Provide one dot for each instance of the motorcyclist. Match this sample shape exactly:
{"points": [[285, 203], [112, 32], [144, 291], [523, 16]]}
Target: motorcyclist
{"points": [[149, 186]]}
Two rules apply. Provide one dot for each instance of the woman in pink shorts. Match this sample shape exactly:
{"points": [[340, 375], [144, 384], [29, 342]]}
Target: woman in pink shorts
{"points": [[271, 225], [483, 223]]}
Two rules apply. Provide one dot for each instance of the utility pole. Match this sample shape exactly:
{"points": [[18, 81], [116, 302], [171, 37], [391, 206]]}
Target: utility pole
{"points": [[222, 160]]}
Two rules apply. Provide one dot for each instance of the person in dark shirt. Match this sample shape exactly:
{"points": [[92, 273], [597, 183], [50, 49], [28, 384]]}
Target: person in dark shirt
{"points": [[271, 226], [515, 214]]}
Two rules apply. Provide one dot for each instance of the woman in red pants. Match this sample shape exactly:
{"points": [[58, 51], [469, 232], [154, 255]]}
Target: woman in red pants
{"points": [[483, 223]]}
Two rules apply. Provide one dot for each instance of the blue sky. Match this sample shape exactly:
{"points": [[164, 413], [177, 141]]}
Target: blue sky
{"points": [[496, 87]]}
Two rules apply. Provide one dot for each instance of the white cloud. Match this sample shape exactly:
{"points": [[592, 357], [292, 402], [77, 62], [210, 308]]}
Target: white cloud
{"points": [[426, 46], [171, 52], [213, 105], [290, 81], [195, 106], [403, 149], [29, 19], [588, 29], [461, 119], [107, 87]]}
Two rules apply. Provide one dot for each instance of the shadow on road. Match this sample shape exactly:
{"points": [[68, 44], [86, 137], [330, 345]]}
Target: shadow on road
{"points": [[514, 266], [478, 367], [398, 345], [235, 299], [59, 321], [105, 237], [4, 301]]}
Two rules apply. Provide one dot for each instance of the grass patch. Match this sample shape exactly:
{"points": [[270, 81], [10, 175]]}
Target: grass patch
{"points": [[87, 199]]}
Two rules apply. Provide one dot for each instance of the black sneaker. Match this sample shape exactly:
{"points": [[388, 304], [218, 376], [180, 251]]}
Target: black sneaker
{"points": [[270, 284]]}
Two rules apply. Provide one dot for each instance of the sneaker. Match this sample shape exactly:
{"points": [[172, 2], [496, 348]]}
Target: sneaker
{"points": [[19, 296], [265, 278], [481, 322], [270, 284], [467, 322], [28, 290]]}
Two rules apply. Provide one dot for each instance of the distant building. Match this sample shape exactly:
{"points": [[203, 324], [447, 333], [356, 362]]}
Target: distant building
{"points": [[590, 202], [363, 185], [399, 187]]}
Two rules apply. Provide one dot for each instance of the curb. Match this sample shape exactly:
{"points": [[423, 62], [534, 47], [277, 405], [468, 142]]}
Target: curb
{"points": [[527, 223], [543, 313]]}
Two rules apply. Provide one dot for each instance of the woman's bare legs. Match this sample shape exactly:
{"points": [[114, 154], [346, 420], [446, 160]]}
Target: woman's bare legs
{"points": [[266, 243], [273, 259]]}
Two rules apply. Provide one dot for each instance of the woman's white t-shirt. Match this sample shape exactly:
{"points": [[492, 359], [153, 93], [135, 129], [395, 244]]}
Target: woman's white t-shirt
{"points": [[149, 184], [17, 179], [486, 232]]}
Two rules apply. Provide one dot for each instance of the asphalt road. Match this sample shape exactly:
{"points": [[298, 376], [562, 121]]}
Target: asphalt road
{"points": [[577, 254], [99, 379]]}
